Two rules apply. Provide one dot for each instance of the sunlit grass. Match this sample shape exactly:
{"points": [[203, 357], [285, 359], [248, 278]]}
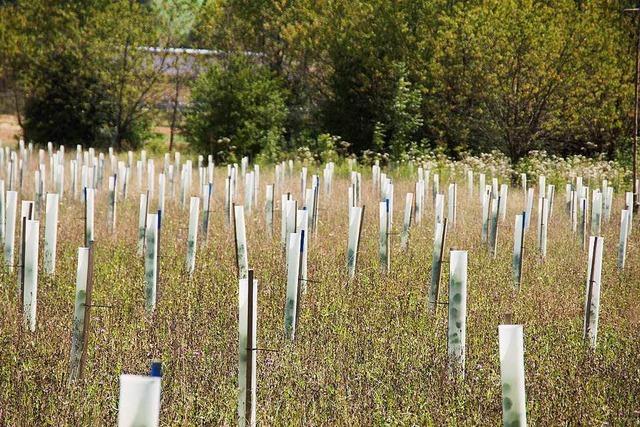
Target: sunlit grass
{"points": [[367, 351]]}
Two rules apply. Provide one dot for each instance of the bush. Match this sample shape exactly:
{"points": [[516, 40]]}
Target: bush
{"points": [[322, 148], [238, 109]]}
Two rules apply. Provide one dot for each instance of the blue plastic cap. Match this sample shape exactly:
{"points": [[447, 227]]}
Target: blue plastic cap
{"points": [[156, 369]]}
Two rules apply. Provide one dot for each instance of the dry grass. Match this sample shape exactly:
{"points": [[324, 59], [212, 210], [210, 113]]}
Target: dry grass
{"points": [[10, 132], [9, 128], [366, 352]]}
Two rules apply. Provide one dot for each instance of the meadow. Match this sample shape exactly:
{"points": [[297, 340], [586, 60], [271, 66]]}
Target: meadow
{"points": [[367, 350]]}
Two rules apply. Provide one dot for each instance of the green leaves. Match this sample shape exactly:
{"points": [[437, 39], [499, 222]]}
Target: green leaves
{"points": [[237, 109], [386, 76], [510, 74]]}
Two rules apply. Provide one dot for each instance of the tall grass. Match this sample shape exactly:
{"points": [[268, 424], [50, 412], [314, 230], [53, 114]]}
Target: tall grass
{"points": [[367, 351]]}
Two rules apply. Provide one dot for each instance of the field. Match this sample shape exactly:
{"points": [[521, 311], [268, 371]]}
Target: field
{"points": [[367, 351]]}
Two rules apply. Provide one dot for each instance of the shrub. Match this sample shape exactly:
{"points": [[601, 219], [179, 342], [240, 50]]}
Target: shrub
{"points": [[237, 104]]}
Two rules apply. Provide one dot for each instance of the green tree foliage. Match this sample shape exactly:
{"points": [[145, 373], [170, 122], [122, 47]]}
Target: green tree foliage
{"points": [[509, 63], [74, 110], [84, 58], [405, 119], [514, 75], [386, 76], [178, 17], [238, 108], [599, 104]]}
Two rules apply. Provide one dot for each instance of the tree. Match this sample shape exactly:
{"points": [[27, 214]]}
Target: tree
{"points": [[515, 75], [596, 115], [178, 17], [98, 45], [374, 51], [405, 116], [523, 75], [68, 110], [502, 66], [238, 109], [119, 32], [339, 60]]}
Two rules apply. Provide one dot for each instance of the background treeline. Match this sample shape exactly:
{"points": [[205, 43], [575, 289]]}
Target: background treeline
{"points": [[390, 77]]}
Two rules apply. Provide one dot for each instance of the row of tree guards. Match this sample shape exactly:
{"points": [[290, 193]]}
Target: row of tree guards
{"points": [[299, 219]]}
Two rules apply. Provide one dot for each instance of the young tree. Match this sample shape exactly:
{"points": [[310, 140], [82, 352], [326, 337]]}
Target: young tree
{"points": [[238, 108]]}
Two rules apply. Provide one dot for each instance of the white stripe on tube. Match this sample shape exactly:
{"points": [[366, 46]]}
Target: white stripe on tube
{"points": [[10, 230], [30, 295], [192, 239], [151, 261], [511, 344], [518, 248], [293, 275], [457, 330], [622, 245], [51, 232], [242, 259], [139, 402], [89, 213], [355, 222], [592, 298]]}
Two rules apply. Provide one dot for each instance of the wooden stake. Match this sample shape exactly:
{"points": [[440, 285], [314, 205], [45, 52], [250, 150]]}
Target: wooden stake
{"points": [[250, 351], [436, 272], [590, 290], [508, 319], [22, 250]]}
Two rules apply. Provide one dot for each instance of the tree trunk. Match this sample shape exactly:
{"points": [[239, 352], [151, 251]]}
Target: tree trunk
{"points": [[176, 100], [16, 103]]}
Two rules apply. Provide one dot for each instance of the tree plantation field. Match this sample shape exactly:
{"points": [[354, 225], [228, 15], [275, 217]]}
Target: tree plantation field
{"points": [[367, 350]]}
